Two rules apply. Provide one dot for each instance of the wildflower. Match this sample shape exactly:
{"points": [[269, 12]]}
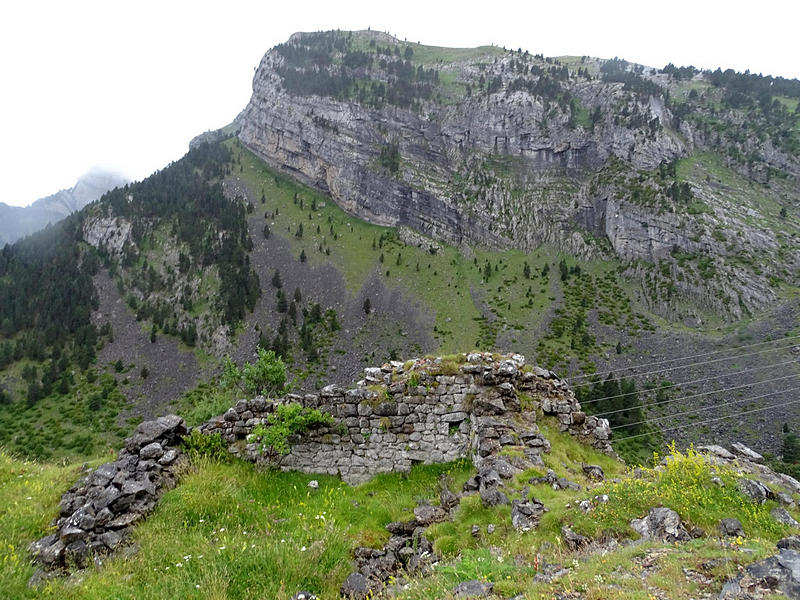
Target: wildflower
{"points": [[178, 565], [303, 549], [222, 547]]}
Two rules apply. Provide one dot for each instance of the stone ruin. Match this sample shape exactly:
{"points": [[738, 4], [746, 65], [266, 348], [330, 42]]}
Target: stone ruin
{"points": [[480, 406], [423, 411]]}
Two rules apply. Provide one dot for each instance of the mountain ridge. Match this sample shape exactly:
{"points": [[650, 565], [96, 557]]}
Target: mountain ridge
{"points": [[17, 222]]}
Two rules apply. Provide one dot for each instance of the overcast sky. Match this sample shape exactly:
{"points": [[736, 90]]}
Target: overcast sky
{"points": [[126, 85]]}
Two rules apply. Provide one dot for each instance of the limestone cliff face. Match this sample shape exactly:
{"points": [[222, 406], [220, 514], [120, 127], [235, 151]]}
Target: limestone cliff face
{"points": [[504, 161]]}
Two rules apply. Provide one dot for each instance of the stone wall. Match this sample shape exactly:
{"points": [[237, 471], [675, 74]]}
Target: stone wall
{"points": [[422, 411], [97, 514]]}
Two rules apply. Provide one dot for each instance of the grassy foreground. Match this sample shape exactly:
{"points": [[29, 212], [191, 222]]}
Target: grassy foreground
{"points": [[232, 531]]}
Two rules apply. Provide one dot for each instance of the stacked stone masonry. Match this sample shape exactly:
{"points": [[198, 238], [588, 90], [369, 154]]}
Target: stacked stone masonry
{"points": [[422, 411]]}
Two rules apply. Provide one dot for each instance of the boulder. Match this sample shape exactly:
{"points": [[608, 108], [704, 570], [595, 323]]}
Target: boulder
{"points": [[731, 528], [790, 543], [746, 452], [717, 451], [662, 524], [781, 571], [491, 496], [427, 514], [593, 472], [755, 490], [574, 541], [152, 450], [356, 587], [781, 515], [525, 515]]}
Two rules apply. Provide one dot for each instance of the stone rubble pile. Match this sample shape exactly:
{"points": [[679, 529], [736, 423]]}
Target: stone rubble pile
{"points": [[97, 514]]}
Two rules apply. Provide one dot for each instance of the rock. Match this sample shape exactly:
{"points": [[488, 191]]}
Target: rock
{"points": [[789, 543], [717, 451], [447, 499], [111, 539], [755, 490], [475, 531], [746, 452], [593, 472], [781, 571], [72, 534], [152, 450], [781, 515], [401, 527], [731, 528], [661, 524], [525, 515], [488, 405], [313, 484], [491, 496], [473, 589], [574, 541], [427, 514], [149, 431], [504, 468], [356, 587], [169, 457], [490, 528]]}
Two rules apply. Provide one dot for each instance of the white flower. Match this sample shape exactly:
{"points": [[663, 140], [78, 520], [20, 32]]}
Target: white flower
{"points": [[303, 549], [221, 529], [222, 547], [178, 564]]}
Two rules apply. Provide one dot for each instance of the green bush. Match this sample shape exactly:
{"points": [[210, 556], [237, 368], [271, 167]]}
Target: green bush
{"points": [[211, 446], [288, 419], [266, 376]]}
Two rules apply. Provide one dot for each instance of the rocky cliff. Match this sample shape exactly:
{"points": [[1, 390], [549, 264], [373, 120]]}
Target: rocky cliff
{"points": [[507, 149]]}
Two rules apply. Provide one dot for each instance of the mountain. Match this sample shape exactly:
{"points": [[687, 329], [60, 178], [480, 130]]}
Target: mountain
{"points": [[17, 222], [688, 177], [383, 200]]}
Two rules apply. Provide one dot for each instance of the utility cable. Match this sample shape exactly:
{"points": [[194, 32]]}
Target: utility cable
{"points": [[699, 395], [697, 364], [694, 410], [692, 356], [739, 414], [684, 383]]}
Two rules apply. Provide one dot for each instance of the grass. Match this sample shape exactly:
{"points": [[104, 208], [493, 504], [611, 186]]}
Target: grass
{"points": [[230, 530], [79, 423]]}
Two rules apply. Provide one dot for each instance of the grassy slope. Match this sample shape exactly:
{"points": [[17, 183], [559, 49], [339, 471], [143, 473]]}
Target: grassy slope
{"points": [[232, 531], [444, 282]]}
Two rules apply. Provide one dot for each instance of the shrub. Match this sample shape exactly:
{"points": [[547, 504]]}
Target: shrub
{"points": [[211, 446], [266, 376], [288, 419]]}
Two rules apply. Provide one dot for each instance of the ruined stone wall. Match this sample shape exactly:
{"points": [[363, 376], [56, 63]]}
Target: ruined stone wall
{"points": [[423, 411]]}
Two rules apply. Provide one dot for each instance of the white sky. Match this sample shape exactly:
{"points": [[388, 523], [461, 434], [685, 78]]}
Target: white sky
{"points": [[127, 84]]}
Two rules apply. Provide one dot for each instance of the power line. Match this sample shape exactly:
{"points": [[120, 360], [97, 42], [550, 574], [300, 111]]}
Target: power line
{"points": [[697, 364], [747, 412], [667, 360], [699, 395], [688, 412], [672, 385]]}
